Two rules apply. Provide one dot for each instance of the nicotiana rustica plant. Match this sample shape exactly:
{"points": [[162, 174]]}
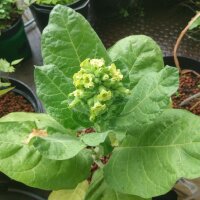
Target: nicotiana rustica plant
{"points": [[124, 94]]}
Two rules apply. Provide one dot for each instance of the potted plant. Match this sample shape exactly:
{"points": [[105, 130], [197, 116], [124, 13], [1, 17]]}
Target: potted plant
{"points": [[13, 40], [15, 96], [141, 145], [42, 8]]}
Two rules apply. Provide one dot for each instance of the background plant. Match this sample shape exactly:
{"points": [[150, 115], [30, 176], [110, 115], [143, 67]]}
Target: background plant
{"points": [[54, 2], [149, 145], [9, 11], [6, 67]]}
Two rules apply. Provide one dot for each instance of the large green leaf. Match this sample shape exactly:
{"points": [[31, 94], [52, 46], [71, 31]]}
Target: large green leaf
{"points": [[53, 88], [75, 194], [147, 100], [58, 147], [94, 139], [150, 162], [136, 56], [24, 163], [69, 39], [42, 121], [99, 190]]}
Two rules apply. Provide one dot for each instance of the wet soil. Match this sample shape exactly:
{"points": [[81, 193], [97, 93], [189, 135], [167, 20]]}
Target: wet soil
{"points": [[189, 85], [12, 102]]}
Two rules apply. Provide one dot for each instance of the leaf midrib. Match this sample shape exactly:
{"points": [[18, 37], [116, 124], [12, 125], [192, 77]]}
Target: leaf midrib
{"points": [[159, 146]]}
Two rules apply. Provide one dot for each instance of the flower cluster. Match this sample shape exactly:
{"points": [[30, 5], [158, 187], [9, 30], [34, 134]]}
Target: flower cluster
{"points": [[97, 85]]}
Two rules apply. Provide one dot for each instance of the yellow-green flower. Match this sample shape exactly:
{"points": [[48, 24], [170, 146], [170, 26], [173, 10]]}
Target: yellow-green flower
{"points": [[115, 73], [86, 64], [104, 95], [105, 77], [78, 79], [96, 87], [77, 93], [97, 62], [97, 110], [88, 80]]}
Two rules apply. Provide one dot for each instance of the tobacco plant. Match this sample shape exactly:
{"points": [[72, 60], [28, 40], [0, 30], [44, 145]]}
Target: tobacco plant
{"points": [[141, 146]]}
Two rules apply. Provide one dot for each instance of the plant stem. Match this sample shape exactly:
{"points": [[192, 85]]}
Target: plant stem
{"points": [[99, 163], [183, 32], [195, 105], [186, 101], [190, 71]]}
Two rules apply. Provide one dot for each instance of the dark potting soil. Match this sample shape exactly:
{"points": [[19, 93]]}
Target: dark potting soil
{"points": [[189, 85], [12, 102]]}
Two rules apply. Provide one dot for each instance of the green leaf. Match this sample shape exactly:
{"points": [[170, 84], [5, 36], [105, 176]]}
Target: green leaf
{"points": [[150, 162], [58, 147], [53, 88], [4, 91], [5, 66], [15, 62], [195, 24], [99, 190], [147, 100], [24, 163], [42, 121], [136, 56], [69, 39], [76, 194], [94, 139]]}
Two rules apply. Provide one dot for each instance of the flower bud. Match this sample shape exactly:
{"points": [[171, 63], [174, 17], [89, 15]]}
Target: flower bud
{"points": [[97, 62], [96, 110], [104, 95]]}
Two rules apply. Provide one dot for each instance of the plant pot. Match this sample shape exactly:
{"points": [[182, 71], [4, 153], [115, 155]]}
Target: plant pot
{"points": [[41, 12], [22, 89], [188, 93], [13, 190], [14, 43], [169, 196], [185, 63]]}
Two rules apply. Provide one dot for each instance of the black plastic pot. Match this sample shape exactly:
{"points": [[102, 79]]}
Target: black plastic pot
{"points": [[185, 63], [14, 43], [41, 12], [24, 90], [13, 190], [169, 196]]}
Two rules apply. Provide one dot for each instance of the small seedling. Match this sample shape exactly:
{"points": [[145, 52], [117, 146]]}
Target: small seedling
{"points": [[7, 67]]}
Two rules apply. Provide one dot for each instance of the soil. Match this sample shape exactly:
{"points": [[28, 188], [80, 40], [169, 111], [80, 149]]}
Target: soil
{"points": [[12, 102], [189, 86]]}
